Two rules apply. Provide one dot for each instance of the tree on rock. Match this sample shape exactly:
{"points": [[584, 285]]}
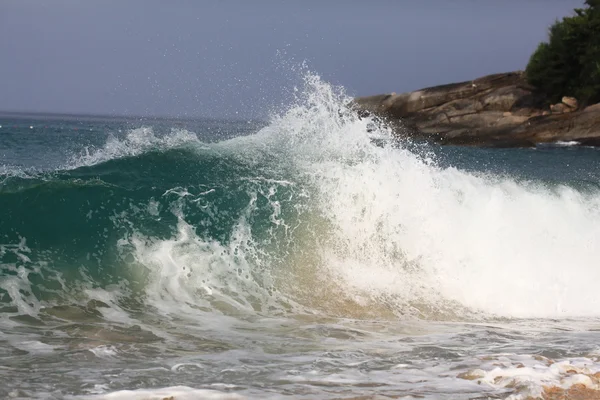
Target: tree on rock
{"points": [[569, 63]]}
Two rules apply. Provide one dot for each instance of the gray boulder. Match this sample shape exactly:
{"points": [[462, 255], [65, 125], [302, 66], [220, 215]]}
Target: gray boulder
{"points": [[495, 110]]}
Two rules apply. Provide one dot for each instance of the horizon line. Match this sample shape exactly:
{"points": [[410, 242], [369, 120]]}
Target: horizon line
{"points": [[9, 113]]}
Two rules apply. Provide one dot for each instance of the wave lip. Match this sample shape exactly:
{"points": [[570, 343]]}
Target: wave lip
{"points": [[136, 142]]}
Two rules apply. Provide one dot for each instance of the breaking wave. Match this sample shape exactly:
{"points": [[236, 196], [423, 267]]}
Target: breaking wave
{"points": [[307, 215]]}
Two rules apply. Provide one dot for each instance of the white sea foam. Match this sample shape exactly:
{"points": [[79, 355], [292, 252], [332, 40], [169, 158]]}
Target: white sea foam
{"points": [[104, 351], [175, 392], [135, 142], [16, 284], [191, 273], [566, 144], [507, 376], [406, 231], [33, 346], [12, 171], [531, 375]]}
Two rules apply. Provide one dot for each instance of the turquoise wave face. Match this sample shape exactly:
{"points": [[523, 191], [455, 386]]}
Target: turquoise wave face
{"points": [[74, 225]]}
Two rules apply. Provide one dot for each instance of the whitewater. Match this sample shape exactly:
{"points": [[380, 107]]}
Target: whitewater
{"points": [[317, 255]]}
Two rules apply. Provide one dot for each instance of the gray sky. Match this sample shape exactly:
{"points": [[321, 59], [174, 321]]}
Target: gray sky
{"points": [[220, 58]]}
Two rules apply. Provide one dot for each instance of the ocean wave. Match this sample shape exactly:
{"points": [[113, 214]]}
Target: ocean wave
{"points": [[305, 216]]}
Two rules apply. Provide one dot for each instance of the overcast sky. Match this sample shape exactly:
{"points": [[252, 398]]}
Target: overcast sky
{"points": [[220, 58]]}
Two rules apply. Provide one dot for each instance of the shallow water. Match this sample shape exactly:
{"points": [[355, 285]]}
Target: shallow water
{"points": [[313, 256], [309, 357]]}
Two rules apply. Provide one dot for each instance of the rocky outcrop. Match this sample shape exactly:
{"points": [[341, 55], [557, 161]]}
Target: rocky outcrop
{"points": [[495, 110]]}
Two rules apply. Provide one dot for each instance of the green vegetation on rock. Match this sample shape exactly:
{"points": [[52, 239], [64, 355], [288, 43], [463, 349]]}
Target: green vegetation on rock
{"points": [[569, 63]]}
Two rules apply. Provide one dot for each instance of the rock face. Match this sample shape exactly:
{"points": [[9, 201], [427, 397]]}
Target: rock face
{"points": [[495, 110], [571, 102]]}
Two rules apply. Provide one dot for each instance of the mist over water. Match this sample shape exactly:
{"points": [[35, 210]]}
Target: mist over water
{"points": [[318, 226]]}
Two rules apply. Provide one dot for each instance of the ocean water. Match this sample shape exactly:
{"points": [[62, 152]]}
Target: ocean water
{"points": [[310, 256]]}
